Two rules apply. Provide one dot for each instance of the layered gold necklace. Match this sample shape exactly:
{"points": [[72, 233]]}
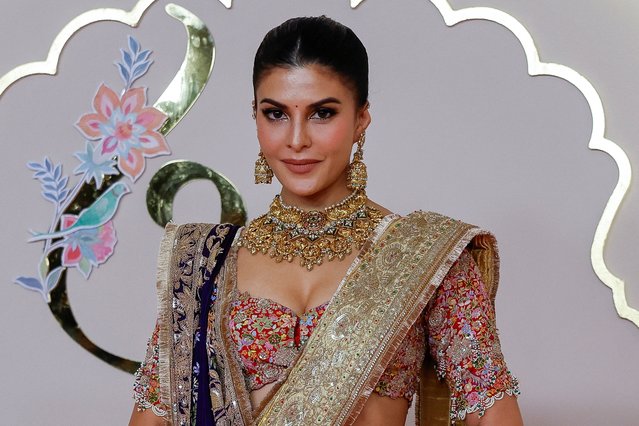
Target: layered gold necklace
{"points": [[287, 232]]}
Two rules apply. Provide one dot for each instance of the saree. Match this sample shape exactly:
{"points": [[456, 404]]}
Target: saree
{"points": [[382, 295]]}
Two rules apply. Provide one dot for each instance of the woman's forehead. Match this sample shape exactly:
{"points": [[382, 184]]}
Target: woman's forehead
{"points": [[303, 84]]}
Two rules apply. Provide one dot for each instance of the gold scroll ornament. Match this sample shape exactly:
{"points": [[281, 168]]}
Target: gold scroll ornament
{"points": [[174, 175]]}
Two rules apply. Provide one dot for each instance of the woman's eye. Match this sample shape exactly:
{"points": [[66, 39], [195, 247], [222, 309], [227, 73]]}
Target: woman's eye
{"points": [[323, 114], [274, 114]]}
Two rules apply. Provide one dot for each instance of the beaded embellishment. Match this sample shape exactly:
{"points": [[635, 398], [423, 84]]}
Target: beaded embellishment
{"points": [[287, 232]]}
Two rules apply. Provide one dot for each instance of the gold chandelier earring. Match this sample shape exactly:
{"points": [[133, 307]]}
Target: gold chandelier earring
{"points": [[357, 175], [263, 172]]}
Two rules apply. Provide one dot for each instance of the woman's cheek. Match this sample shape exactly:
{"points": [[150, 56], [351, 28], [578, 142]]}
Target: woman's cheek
{"points": [[331, 136], [270, 138]]}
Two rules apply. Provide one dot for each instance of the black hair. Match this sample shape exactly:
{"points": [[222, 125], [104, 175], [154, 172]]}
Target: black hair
{"points": [[315, 40]]}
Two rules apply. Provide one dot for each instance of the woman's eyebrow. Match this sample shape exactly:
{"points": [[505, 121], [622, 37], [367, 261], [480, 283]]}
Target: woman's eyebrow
{"points": [[273, 102], [329, 100]]}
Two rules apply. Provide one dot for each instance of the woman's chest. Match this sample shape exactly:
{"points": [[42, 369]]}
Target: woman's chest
{"points": [[288, 283], [268, 336]]}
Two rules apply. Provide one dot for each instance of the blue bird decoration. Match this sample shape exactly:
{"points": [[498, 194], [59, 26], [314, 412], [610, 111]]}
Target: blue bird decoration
{"points": [[97, 214]]}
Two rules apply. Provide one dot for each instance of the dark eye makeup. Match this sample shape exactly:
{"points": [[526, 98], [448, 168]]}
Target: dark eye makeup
{"points": [[274, 114], [320, 113], [323, 113]]}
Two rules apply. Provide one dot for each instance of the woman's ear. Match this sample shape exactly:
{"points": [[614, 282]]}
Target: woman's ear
{"points": [[363, 119]]}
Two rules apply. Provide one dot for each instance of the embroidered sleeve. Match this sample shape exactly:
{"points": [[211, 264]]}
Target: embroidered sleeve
{"points": [[463, 340], [400, 378], [146, 389]]}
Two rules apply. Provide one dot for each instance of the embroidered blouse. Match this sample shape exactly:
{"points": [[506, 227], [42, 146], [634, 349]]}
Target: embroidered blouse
{"points": [[458, 328]]}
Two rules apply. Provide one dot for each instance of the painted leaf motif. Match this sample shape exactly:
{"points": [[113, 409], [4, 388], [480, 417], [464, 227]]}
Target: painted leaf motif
{"points": [[53, 278], [140, 69], [134, 45], [124, 73], [43, 267], [126, 56], [50, 197], [84, 266], [144, 55], [30, 283]]}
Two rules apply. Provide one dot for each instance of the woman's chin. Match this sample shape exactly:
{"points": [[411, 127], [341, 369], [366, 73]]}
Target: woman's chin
{"points": [[299, 191], [330, 194]]}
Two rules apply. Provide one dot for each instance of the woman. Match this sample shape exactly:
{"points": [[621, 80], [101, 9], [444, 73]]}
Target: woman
{"points": [[321, 310]]}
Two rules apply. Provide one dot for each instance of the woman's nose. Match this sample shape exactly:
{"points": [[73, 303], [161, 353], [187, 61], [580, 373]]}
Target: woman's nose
{"points": [[300, 138]]}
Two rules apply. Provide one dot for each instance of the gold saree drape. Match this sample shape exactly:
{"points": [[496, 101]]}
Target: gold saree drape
{"points": [[381, 297]]}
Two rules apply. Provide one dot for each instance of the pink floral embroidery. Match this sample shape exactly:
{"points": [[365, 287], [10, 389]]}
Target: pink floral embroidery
{"points": [[269, 337], [463, 339], [86, 248], [458, 325], [146, 390], [125, 127]]}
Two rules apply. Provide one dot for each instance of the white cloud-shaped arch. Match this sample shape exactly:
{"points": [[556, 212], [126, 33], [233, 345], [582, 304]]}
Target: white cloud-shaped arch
{"points": [[598, 141]]}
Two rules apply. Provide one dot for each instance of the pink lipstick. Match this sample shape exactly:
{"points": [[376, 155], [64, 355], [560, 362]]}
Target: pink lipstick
{"points": [[300, 166]]}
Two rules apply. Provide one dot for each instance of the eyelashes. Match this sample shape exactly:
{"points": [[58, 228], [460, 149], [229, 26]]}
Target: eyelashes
{"points": [[324, 113], [274, 114], [320, 114]]}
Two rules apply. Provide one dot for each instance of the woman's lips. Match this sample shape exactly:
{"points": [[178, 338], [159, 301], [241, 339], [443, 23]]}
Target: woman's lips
{"points": [[300, 166]]}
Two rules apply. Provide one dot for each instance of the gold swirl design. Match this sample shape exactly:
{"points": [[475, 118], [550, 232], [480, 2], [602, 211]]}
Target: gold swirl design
{"points": [[598, 141], [174, 175], [189, 82]]}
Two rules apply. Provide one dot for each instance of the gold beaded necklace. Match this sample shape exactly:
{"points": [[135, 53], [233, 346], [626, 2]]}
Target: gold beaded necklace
{"points": [[287, 232]]}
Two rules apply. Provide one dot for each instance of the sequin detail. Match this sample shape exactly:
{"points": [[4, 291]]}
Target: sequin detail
{"points": [[458, 324], [269, 337], [463, 340], [146, 389]]}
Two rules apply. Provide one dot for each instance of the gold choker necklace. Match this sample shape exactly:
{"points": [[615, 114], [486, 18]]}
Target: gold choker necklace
{"points": [[287, 232]]}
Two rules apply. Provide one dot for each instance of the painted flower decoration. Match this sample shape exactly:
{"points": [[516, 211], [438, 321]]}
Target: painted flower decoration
{"points": [[87, 248], [120, 132], [93, 166], [125, 127]]}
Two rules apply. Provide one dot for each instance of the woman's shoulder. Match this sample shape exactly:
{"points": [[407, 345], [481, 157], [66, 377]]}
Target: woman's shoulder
{"points": [[376, 206], [435, 218], [429, 216], [430, 221], [435, 225]]}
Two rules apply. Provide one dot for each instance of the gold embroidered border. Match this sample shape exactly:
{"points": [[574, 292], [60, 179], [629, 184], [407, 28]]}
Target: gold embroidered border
{"points": [[178, 317], [366, 320], [165, 297]]}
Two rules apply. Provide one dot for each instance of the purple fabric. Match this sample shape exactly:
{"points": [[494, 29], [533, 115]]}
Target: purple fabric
{"points": [[204, 415]]}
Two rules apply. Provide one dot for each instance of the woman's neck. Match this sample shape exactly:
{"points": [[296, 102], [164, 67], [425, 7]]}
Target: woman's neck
{"points": [[318, 201]]}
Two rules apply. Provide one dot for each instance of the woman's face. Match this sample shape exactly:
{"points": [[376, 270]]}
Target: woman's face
{"points": [[307, 121]]}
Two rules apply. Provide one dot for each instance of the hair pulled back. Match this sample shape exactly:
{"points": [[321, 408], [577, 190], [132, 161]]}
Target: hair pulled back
{"points": [[315, 41]]}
